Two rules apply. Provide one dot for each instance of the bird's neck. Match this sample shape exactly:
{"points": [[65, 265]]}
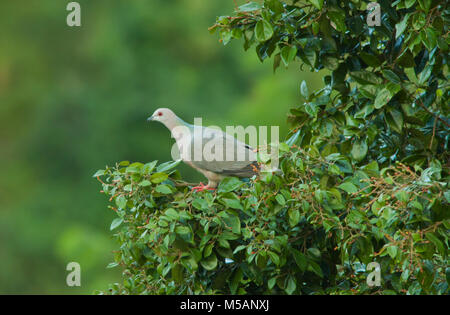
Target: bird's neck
{"points": [[180, 130], [171, 124]]}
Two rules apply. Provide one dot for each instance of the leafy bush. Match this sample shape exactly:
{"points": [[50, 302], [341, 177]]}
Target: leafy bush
{"points": [[364, 173], [293, 233]]}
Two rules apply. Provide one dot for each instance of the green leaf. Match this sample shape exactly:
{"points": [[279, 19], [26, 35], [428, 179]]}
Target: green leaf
{"points": [[314, 267], [392, 251], [284, 147], [149, 167], [419, 20], [311, 109], [271, 282], [115, 223], [226, 36], [233, 222], [370, 59], [236, 280], [365, 77], [237, 33], [182, 230], [280, 199], [239, 248], [338, 18], [145, 183], [263, 31], [317, 3], [164, 167], [308, 56], [294, 216], [314, 252], [229, 184], [274, 257], [210, 263], [163, 189], [251, 6], [288, 54], [200, 204], [400, 27], [293, 139], [330, 62], [276, 62], [402, 196], [393, 88], [425, 74], [447, 195], [425, 5], [275, 5], [436, 241], [157, 178], [121, 201], [177, 273], [172, 214], [359, 150], [348, 187], [134, 168], [395, 120], [409, 3], [391, 76], [383, 97], [300, 259], [233, 203], [366, 91], [99, 173], [124, 163], [334, 169], [365, 111], [291, 286], [429, 38], [112, 265], [304, 89]]}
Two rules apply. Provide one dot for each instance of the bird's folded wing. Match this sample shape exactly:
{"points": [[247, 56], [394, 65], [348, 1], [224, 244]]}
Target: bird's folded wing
{"points": [[221, 153]]}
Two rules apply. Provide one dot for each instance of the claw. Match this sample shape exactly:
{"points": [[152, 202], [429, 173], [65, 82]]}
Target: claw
{"points": [[202, 187]]}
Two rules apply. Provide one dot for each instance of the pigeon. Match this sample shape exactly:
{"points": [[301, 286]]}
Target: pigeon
{"points": [[212, 152]]}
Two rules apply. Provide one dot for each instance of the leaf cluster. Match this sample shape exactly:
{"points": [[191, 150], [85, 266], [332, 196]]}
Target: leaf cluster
{"points": [[364, 173], [311, 230]]}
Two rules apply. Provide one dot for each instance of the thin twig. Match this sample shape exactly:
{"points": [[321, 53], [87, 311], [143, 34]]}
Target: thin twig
{"points": [[434, 132], [421, 104], [183, 184]]}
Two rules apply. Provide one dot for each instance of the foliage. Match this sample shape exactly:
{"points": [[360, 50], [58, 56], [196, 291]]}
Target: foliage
{"points": [[74, 98], [364, 174], [387, 96], [292, 233]]}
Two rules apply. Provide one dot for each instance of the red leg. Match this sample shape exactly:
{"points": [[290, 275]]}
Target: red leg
{"points": [[202, 187]]}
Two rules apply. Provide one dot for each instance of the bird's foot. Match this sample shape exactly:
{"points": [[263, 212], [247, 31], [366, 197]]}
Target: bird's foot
{"points": [[202, 187]]}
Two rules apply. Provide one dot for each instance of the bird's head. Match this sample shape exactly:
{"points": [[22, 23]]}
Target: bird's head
{"points": [[163, 115]]}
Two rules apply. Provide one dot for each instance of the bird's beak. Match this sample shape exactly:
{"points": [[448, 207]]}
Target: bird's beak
{"points": [[150, 118]]}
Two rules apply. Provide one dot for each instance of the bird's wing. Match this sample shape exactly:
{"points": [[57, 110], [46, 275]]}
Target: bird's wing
{"points": [[220, 153]]}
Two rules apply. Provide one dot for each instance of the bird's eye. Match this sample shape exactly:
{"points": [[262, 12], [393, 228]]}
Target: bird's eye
{"points": [[159, 114]]}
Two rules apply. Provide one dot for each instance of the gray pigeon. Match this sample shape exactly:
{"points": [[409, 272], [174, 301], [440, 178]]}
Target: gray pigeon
{"points": [[212, 152]]}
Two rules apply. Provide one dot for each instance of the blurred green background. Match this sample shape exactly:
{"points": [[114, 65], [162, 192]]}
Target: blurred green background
{"points": [[73, 99]]}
